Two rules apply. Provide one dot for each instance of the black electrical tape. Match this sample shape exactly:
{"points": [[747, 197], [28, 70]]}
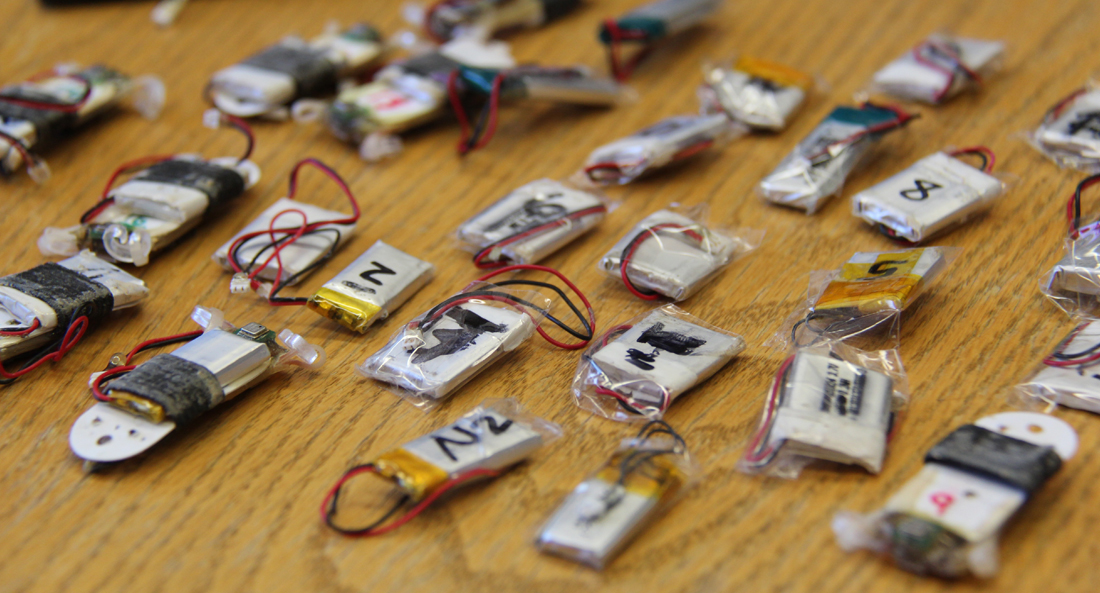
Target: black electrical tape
{"points": [[184, 389], [220, 184], [555, 9], [998, 457], [433, 65], [49, 124], [65, 291], [312, 72]]}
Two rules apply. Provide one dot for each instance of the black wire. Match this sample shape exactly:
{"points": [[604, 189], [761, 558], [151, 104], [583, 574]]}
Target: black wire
{"points": [[1077, 199], [561, 293], [1071, 356], [430, 318], [48, 348], [479, 128], [280, 284], [635, 460], [248, 135], [165, 342], [330, 512], [978, 153]]}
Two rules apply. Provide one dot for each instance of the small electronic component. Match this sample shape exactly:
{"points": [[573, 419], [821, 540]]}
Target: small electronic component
{"points": [[439, 351], [640, 367], [935, 193], [760, 94], [493, 437], [1070, 131], [946, 520], [604, 512], [166, 198], [822, 407], [939, 68], [569, 85], [530, 223], [46, 310], [646, 25], [1069, 376], [266, 83], [139, 405], [670, 140], [1074, 282], [373, 286], [817, 168], [264, 250], [42, 111], [448, 19], [669, 254], [405, 95]]}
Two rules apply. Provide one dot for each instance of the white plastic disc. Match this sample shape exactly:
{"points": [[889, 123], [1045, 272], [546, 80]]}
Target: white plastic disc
{"points": [[1035, 428], [105, 433]]}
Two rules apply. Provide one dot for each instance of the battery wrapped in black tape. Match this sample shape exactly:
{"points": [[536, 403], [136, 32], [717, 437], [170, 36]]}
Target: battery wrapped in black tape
{"points": [[220, 184], [184, 389], [67, 292]]}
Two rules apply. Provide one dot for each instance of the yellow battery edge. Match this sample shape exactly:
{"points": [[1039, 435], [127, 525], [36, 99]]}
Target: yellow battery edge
{"points": [[349, 312], [783, 75], [416, 477], [661, 478]]}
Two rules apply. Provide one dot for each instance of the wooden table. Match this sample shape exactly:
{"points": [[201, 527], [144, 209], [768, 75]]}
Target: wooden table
{"points": [[231, 504]]}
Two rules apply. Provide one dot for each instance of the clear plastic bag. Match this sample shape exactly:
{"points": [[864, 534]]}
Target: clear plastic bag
{"points": [[1073, 284], [531, 222], [861, 303], [669, 140], [935, 193], [637, 369], [1070, 131], [672, 253], [439, 351], [645, 476], [762, 95], [1069, 376], [833, 403], [940, 67], [819, 165], [946, 520]]}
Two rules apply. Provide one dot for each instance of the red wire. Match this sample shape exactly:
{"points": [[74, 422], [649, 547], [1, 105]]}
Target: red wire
{"points": [[414, 511], [295, 232], [991, 158], [567, 282], [617, 36], [666, 401], [769, 415], [491, 126], [18, 146], [1060, 106], [72, 337], [951, 73], [901, 118], [106, 201], [63, 107], [1054, 362], [155, 341], [480, 256], [97, 389], [650, 231], [33, 326]]}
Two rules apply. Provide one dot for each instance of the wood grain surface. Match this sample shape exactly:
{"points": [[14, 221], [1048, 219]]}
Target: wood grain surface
{"points": [[230, 504]]}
